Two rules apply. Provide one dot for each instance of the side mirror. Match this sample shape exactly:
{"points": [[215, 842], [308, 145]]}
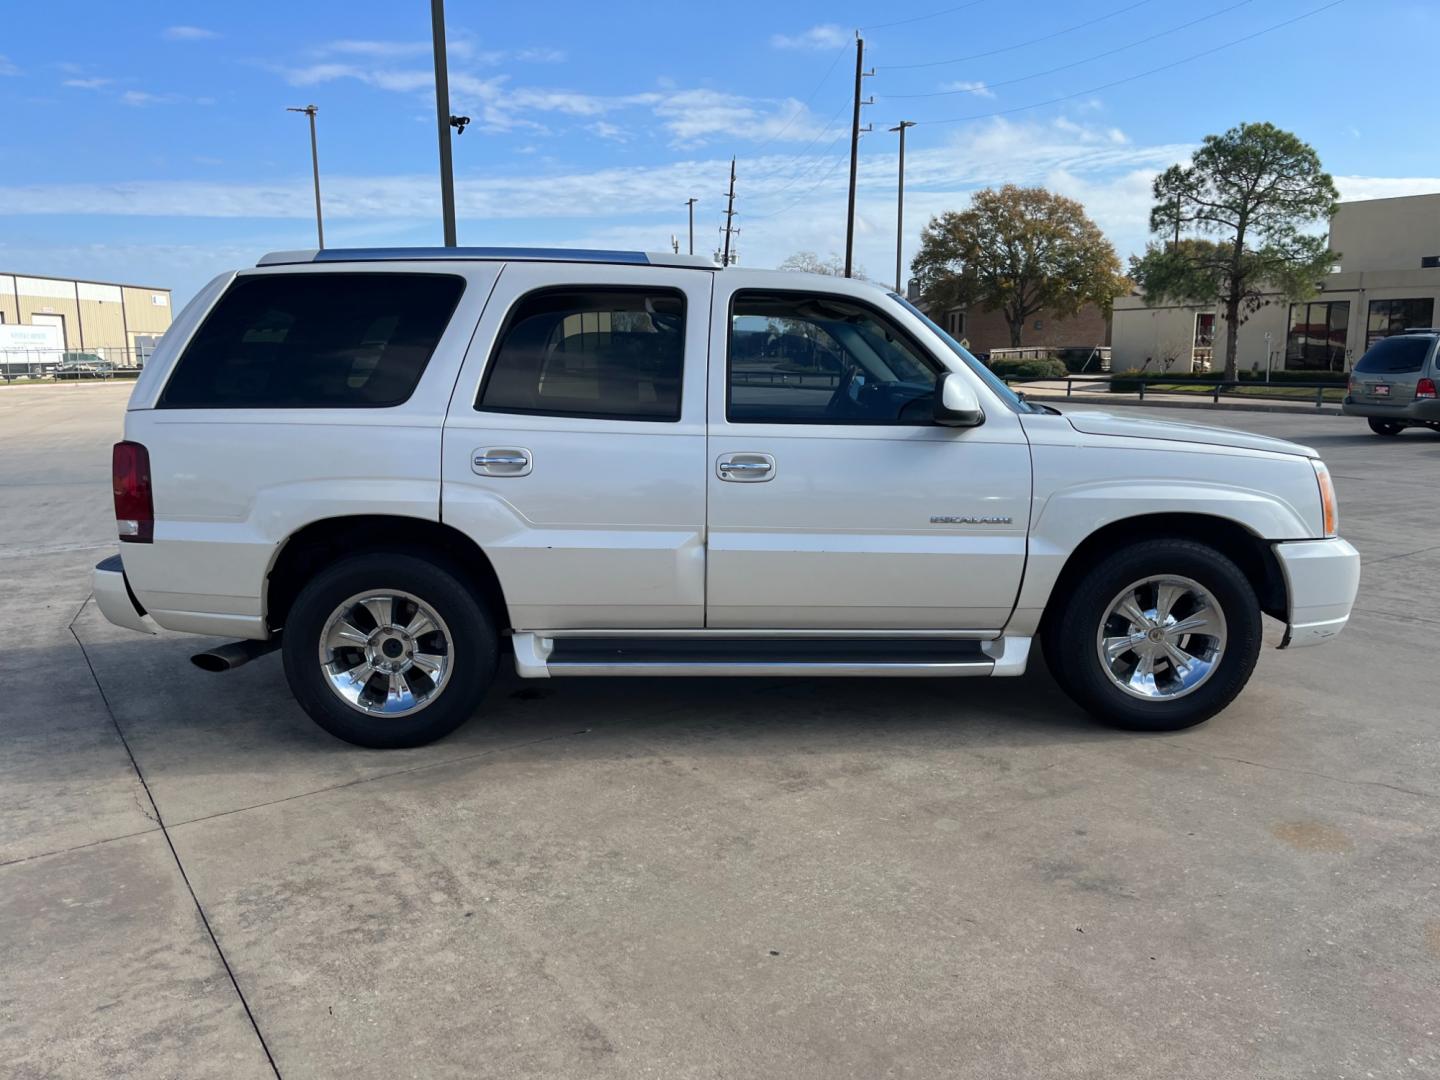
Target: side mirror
{"points": [[955, 402]]}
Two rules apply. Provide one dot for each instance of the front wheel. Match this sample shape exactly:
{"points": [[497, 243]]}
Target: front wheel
{"points": [[389, 650], [1386, 427], [1158, 636]]}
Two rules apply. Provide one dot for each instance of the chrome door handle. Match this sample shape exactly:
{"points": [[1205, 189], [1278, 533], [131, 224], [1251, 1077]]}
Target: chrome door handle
{"points": [[745, 467], [501, 461]]}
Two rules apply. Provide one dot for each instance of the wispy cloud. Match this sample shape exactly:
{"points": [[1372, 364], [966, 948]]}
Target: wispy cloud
{"points": [[823, 36], [188, 33], [965, 86]]}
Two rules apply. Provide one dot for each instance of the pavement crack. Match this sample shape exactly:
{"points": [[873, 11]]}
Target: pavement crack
{"points": [[1318, 775], [159, 820]]}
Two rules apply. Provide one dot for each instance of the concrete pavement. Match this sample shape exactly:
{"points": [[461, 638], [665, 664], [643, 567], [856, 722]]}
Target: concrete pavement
{"points": [[712, 878]]}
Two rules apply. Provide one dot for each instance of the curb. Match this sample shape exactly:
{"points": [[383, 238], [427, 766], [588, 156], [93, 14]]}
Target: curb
{"points": [[1223, 406]]}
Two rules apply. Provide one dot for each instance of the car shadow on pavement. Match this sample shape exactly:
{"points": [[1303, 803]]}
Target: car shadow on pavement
{"points": [[212, 743]]}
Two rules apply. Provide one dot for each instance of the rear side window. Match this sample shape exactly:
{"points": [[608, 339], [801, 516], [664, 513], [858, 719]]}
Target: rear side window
{"points": [[1395, 356], [609, 354], [314, 341]]}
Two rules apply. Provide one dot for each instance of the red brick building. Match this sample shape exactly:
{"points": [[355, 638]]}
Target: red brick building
{"points": [[983, 330]]}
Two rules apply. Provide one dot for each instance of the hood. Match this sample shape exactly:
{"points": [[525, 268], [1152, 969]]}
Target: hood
{"points": [[1103, 423]]}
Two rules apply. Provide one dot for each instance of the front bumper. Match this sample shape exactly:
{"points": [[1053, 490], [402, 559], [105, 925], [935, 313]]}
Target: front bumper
{"points": [[115, 599], [1321, 579], [1424, 411]]}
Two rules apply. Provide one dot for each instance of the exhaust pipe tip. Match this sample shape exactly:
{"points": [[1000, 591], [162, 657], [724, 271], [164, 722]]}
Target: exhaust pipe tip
{"points": [[229, 657]]}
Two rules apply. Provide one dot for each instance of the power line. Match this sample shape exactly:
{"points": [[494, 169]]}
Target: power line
{"points": [[922, 18], [1021, 45], [981, 87], [1142, 74], [806, 105]]}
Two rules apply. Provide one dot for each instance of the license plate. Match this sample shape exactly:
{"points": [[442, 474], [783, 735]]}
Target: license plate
{"points": [[1381, 389]]}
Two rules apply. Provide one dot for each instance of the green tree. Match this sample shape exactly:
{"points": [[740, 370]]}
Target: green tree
{"points": [[1018, 251], [1246, 198]]}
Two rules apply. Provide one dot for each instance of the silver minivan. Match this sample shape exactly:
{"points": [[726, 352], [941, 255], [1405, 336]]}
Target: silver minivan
{"points": [[1394, 383]]}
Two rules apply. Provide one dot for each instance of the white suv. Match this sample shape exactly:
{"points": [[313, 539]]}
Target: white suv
{"points": [[396, 465]]}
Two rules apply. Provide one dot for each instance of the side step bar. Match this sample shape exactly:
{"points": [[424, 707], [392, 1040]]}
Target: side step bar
{"points": [[903, 654]]}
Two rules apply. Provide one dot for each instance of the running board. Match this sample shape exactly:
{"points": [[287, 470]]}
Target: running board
{"points": [[814, 654]]}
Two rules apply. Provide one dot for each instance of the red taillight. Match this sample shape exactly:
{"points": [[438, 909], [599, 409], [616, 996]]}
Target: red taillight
{"points": [[1425, 388], [130, 478]]}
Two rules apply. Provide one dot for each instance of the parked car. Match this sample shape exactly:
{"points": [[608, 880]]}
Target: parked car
{"points": [[1394, 383], [83, 366], [396, 466]]}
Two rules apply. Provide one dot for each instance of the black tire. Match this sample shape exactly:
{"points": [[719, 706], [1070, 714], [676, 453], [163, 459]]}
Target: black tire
{"points": [[1385, 427], [441, 586], [1069, 635]]}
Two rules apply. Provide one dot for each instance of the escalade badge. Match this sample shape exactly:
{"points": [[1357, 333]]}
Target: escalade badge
{"points": [[967, 519]]}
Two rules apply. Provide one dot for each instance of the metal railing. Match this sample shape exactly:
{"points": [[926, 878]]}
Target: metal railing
{"points": [[1214, 389]]}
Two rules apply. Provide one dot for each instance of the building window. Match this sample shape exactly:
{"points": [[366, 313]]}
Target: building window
{"points": [[1316, 341], [1392, 316]]}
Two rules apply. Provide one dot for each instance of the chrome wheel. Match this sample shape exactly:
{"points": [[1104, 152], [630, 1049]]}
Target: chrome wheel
{"points": [[386, 653], [1161, 638]]}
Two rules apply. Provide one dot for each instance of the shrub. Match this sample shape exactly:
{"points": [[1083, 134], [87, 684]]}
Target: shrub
{"points": [[1029, 369]]}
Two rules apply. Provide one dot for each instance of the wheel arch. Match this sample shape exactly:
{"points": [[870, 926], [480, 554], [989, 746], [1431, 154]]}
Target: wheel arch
{"points": [[1249, 551], [320, 543]]}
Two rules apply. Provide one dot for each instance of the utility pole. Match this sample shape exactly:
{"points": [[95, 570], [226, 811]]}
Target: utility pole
{"points": [[690, 203], [725, 259], [442, 116], [860, 75], [900, 203], [310, 111]]}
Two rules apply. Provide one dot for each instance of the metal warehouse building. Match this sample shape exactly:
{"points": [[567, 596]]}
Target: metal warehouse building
{"points": [[43, 318]]}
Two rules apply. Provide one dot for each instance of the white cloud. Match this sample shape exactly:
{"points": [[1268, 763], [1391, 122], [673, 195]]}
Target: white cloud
{"points": [[188, 33], [823, 36], [964, 86], [7, 67]]}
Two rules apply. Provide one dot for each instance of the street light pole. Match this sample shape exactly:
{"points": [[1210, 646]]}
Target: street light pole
{"points": [[442, 116], [310, 111], [900, 203]]}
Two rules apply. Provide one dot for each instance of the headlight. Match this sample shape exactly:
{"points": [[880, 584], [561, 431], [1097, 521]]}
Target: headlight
{"points": [[1330, 515]]}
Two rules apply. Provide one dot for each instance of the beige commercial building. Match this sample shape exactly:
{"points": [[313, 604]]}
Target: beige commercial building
{"points": [[1387, 278], [118, 323]]}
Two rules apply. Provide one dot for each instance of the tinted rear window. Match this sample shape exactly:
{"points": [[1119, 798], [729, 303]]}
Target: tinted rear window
{"points": [[299, 341], [1395, 356]]}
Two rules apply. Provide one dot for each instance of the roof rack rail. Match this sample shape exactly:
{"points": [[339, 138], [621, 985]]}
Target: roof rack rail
{"points": [[496, 254]]}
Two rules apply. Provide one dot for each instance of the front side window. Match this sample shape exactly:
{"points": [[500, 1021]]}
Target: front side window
{"points": [[803, 358], [302, 341], [1394, 316], [608, 354], [1316, 341]]}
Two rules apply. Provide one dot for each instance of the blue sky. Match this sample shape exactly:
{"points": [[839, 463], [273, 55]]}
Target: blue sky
{"points": [[148, 141]]}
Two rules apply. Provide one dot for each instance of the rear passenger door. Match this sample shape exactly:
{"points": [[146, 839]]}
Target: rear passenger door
{"points": [[574, 450]]}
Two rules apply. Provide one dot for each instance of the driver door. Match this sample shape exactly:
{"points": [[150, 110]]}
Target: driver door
{"points": [[834, 500]]}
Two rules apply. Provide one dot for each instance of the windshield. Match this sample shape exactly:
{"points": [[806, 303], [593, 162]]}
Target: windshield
{"points": [[1395, 355], [993, 381]]}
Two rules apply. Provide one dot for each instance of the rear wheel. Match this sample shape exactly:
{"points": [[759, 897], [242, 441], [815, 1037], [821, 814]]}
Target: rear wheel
{"points": [[1158, 636], [389, 650], [1386, 427]]}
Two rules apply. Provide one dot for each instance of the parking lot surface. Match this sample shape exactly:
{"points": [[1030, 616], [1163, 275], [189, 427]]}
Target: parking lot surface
{"points": [[712, 878]]}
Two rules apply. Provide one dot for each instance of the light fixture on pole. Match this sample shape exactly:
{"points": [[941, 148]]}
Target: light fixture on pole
{"points": [[900, 203], [310, 111], [445, 120]]}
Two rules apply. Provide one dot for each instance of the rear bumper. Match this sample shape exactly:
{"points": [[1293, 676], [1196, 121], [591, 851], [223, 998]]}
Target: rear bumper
{"points": [[1426, 411], [115, 599], [1321, 579]]}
